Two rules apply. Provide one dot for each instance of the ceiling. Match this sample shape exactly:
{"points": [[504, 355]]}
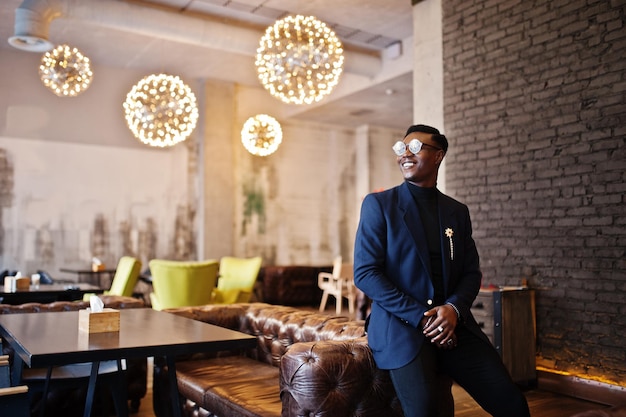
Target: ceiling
{"points": [[217, 39]]}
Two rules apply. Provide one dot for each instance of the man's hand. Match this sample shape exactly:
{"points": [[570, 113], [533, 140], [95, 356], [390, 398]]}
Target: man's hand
{"points": [[449, 344], [438, 325]]}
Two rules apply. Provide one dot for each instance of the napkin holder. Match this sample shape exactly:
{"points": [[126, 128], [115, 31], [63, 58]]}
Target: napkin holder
{"points": [[22, 284], [97, 267], [107, 320]]}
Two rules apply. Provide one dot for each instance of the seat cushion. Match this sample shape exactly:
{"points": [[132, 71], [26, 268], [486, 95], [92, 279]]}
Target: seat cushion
{"points": [[233, 386]]}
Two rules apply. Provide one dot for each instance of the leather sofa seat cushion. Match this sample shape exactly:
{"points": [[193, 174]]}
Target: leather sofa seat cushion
{"points": [[231, 386]]}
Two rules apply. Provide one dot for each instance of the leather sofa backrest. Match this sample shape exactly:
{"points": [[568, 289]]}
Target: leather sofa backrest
{"points": [[291, 285], [111, 301], [276, 327]]}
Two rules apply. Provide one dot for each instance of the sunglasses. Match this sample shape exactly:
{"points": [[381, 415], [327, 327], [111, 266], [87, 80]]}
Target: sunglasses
{"points": [[414, 146]]}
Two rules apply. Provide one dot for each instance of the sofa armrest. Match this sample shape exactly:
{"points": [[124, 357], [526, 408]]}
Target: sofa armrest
{"points": [[335, 377]]}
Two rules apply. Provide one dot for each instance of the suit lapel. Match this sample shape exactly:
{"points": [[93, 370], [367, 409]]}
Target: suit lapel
{"points": [[414, 224]]}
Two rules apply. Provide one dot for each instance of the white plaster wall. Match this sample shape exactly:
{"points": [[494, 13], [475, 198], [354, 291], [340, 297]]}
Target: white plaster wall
{"points": [[74, 159], [383, 169], [308, 188], [60, 188]]}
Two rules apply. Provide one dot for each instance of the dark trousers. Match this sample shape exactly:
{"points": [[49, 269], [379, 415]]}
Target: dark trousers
{"points": [[474, 364]]}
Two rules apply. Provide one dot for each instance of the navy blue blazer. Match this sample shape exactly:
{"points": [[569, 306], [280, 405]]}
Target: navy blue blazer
{"points": [[392, 267]]}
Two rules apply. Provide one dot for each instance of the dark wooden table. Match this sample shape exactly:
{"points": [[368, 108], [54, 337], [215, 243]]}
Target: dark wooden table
{"points": [[49, 293], [102, 278], [48, 339]]}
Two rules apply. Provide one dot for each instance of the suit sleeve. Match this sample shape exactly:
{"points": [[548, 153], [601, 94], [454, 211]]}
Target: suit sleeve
{"points": [[370, 256]]}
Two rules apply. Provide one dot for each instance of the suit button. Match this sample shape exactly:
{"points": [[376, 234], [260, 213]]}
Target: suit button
{"points": [[429, 302]]}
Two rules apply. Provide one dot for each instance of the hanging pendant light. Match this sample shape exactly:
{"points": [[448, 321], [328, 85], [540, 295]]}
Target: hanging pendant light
{"points": [[261, 135], [65, 71], [299, 60], [161, 110]]}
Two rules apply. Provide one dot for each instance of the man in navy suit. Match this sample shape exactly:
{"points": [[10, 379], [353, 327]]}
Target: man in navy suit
{"points": [[415, 258]]}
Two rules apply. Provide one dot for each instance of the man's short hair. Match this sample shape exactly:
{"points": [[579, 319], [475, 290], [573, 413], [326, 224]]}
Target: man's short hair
{"points": [[437, 137]]}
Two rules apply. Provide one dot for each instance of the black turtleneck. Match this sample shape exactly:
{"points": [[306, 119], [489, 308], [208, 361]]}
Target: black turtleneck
{"points": [[426, 200]]}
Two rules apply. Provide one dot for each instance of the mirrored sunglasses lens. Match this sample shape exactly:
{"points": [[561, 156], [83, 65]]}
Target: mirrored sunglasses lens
{"points": [[415, 146], [399, 148]]}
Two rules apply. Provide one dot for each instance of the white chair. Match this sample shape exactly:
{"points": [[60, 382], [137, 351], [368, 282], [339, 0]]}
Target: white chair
{"points": [[339, 284]]}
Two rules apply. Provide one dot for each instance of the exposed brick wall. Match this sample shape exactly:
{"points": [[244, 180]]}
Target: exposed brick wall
{"points": [[535, 109]]}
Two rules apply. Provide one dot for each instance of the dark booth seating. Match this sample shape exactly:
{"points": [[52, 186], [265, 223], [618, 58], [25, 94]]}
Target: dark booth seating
{"points": [[291, 285]]}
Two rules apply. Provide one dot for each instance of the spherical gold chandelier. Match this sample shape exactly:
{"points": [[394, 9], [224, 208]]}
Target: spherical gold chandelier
{"points": [[65, 71], [299, 60], [161, 110], [261, 135]]}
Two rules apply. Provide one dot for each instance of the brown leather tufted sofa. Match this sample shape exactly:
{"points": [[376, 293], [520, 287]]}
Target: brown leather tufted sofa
{"points": [[305, 364], [70, 402]]}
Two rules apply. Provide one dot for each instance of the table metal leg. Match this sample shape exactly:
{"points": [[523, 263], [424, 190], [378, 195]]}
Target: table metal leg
{"points": [[120, 393], [91, 388], [46, 388], [16, 370], [171, 371]]}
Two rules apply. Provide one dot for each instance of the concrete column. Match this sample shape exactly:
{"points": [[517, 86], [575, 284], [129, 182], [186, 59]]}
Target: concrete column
{"points": [[428, 69], [362, 159], [216, 211]]}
